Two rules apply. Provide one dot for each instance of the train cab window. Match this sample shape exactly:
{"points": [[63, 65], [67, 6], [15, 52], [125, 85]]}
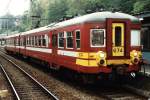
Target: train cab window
{"points": [[69, 40], [135, 38], [97, 37], [61, 40], [77, 39]]}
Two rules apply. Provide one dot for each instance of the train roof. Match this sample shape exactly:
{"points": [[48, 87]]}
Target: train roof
{"points": [[3, 36], [35, 30], [13, 35], [93, 17]]}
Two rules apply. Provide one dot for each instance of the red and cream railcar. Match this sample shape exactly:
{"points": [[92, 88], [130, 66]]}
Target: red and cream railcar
{"points": [[12, 43], [34, 44], [96, 43]]}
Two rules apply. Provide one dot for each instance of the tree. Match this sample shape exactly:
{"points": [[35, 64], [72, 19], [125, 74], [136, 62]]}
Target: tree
{"points": [[141, 6], [57, 10]]}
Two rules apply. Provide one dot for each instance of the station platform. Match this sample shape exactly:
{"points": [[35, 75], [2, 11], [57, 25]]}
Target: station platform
{"points": [[146, 56]]}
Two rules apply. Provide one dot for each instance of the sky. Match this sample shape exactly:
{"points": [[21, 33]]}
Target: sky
{"points": [[14, 7]]}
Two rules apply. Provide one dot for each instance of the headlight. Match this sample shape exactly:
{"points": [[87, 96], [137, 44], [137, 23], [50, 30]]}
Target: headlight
{"points": [[102, 55], [135, 54]]}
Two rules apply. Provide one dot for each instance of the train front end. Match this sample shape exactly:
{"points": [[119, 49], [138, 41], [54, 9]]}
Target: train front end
{"points": [[114, 46]]}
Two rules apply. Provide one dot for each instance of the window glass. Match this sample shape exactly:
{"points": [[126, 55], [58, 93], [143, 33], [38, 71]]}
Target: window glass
{"points": [[117, 36], [77, 39], [69, 40], [17, 41], [43, 40], [39, 40], [32, 40], [27, 40], [24, 41], [61, 39], [20, 41], [97, 37], [47, 38], [35, 40], [135, 37]]}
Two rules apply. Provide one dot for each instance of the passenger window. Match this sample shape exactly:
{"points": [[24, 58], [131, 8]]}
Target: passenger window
{"points": [[97, 37], [35, 40], [43, 40], [27, 40], [47, 39], [77, 39], [32, 40], [69, 40], [39, 42], [61, 40], [24, 41]]}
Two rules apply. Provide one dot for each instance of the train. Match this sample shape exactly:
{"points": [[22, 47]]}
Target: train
{"points": [[92, 46]]}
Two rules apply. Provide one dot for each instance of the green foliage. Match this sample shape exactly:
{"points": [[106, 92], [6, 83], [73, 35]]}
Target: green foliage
{"points": [[57, 10], [44, 12], [141, 6]]}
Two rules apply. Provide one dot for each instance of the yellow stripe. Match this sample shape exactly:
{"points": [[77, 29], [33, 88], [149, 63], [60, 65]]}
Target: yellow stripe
{"points": [[82, 62], [90, 63], [87, 63], [120, 61], [92, 55], [93, 63], [82, 55]]}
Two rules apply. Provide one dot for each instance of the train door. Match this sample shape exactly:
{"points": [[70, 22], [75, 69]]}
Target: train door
{"points": [[118, 34], [54, 47]]}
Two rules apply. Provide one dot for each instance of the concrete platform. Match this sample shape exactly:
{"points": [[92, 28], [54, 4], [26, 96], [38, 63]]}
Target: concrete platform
{"points": [[146, 55]]}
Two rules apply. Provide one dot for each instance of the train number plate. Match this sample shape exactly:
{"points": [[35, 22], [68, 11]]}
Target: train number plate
{"points": [[118, 51]]}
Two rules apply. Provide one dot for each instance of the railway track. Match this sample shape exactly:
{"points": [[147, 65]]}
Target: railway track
{"points": [[24, 86], [113, 93]]}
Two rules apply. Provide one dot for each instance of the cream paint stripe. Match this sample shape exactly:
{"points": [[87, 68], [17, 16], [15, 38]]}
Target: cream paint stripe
{"points": [[22, 47], [67, 53], [10, 46], [45, 50]]}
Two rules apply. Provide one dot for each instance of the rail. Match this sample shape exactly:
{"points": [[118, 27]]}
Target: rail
{"points": [[38, 83]]}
